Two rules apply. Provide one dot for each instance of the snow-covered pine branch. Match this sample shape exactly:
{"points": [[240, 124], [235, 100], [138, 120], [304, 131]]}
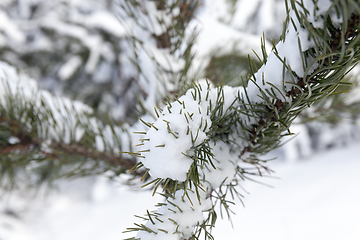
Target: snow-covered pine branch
{"points": [[201, 142], [161, 50], [43, 129]]}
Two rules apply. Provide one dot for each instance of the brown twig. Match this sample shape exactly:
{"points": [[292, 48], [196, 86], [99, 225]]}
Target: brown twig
{"points": [[26, 141], [107, 157]]}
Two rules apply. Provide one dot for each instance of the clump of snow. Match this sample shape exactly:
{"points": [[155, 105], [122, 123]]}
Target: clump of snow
{"points": [[225, 162], [180, 128], [289, 52], [320, 8], [79, 133], [177, 217], [13, 140]]}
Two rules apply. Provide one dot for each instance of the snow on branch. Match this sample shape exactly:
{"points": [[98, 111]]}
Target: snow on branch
{"points": [[208, 138], [57, 127], [161, 50]]}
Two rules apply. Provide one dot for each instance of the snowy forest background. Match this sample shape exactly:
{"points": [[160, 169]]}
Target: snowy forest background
{"points": [[79, 49]]}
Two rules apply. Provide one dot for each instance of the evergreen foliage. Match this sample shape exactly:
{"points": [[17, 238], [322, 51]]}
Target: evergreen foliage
{"points": [[247, 122], [195, 141], [53, 137]]}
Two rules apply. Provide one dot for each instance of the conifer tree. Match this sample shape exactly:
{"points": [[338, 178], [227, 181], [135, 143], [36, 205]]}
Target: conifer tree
{"points": [[193, 145]]}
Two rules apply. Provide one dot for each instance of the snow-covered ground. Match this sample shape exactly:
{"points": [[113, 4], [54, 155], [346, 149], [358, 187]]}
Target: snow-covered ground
{"points": [[315, 198]]}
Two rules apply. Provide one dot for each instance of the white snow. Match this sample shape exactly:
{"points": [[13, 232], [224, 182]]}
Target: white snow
{"points": [[184, 217], [99, 143], [177, 130], [272, 73], [322, 7], [315, 198], [225, 163], [180, 128], [68, 120], [219, 39], [244, 10], [13, 140], [102, 20], [11, 30], [69, 68]]}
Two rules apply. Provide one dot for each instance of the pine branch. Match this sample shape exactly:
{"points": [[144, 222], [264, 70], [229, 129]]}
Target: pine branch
{"points": [[162, 67], [36, 126], [26, 141], [109, 158], [211, 138]]}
